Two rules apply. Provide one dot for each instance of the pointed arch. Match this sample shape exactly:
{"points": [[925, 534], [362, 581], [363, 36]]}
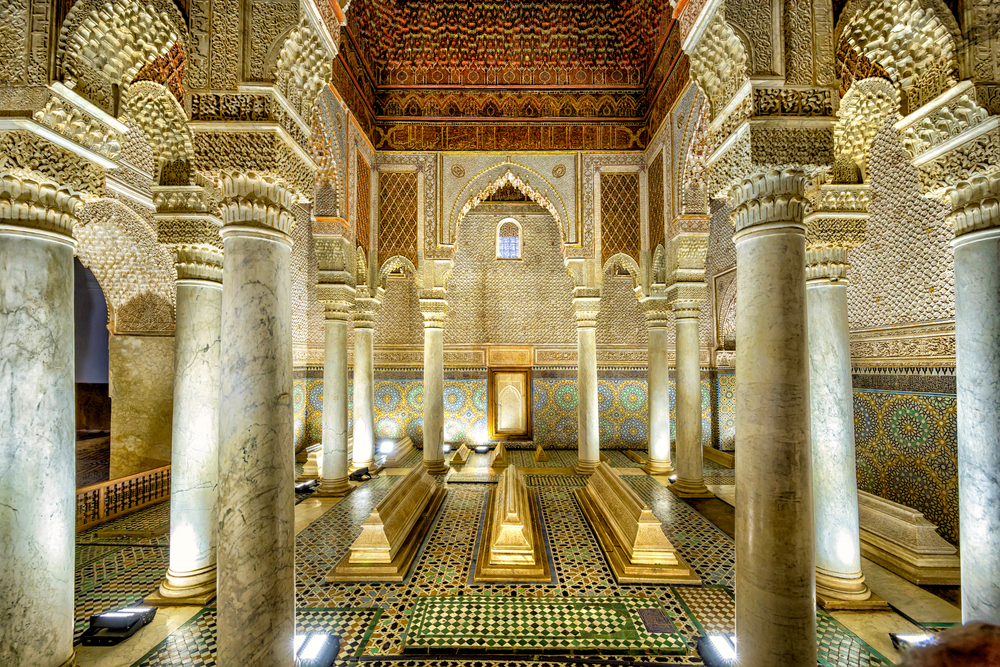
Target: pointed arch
{"points": [[163, 121], [515, 175], [394, 263], [621, 260]]}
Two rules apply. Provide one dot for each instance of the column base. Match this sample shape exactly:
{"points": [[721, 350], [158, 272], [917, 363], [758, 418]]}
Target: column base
{"points": [[332, 488], [686, 488], [370, 464], [187, 589], [436, 467], [654, 467], [585, 467], [72, 660], [838, 591]]}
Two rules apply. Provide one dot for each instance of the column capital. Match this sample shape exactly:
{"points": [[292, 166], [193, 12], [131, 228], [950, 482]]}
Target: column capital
{"points": [[198, 262], [586, 306], [686, 296], [250, 199], [768, 197], [365, 308], [835, 225], [656, 309], [30, 202], [337, 300], [975, 204], [433, 307]]}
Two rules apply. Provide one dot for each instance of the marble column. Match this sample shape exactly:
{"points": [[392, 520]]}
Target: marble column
{"points": [[37, 425], [434, 310], [775, 538], [657, 322], [586, 304], [690, 465], [335, 464], [977, 336], [256, 584], [364, 383], [194, 466], [831, 398]]}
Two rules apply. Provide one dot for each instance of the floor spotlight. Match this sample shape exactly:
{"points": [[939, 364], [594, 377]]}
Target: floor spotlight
{"points": [[302, 487], [905, 640], [316, 650], [482, 449], [111, 628], [447, 448], [717, 650], [386, 447]]}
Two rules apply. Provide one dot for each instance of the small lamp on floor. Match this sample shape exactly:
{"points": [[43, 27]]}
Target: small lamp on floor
{"points": [[905, 640], [316, 650], [717, 650], [111, 628]]}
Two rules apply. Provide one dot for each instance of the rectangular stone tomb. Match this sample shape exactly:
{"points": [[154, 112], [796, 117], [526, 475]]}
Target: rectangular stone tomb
{"points": [[630, 534], [480, 623], [901, 540], [511, 547], [460, 457], [498, 457], [401, 450], [392, 533], [312, 468]]}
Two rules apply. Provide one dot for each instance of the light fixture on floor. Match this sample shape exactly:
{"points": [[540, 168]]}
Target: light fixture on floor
{"points": [[717, 650], [447, 448], [316, 650], [905, 640], [111, 628], [302, 487], [672, 478], [386, 447], [482, 449]]}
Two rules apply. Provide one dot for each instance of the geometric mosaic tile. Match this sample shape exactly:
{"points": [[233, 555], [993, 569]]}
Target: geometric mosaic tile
{"points": [[193, 644], [490, 623], [713, 608]]}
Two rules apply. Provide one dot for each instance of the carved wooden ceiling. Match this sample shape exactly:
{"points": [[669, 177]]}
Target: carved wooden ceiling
{"points": [[544, 74]]}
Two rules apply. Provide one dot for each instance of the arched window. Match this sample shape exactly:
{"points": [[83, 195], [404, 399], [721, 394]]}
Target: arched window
{"points": [[509, 239]]}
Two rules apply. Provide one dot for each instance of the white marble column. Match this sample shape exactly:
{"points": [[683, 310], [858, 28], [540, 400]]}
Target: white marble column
{"points": [[434, 310], [335, 464], [37, 428], [256, 585], [586, 303], [194, 466], [657, 321], [977, 335], [364, 384], [690, 466], [834, 473], [775, 539]]}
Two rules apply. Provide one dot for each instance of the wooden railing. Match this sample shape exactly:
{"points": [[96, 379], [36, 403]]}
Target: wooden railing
{"points": [[107, 500]]}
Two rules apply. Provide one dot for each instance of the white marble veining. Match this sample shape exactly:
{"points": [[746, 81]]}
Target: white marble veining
{"points": [[364, 398], [834, 472], [775, 540], [434, 399], [335, 463], [37, 435], [256, 557], [659, 401], [589, 455], [690, 464], [194, 468], [977, 336]]}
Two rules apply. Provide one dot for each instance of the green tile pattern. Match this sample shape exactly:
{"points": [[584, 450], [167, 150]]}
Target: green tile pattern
{"points": [[481, 622]]}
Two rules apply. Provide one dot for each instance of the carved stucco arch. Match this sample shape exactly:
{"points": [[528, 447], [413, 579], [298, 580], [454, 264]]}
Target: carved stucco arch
{"points": [[104, 43], [621, 260], [940, 9], [394, 263], [135, 272], [163, 121], [303, 68], [326, 150], [862, 112], [492, 179], [727, 317], [693, 161]]}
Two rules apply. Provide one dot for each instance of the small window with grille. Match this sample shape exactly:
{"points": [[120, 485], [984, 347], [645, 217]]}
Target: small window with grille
{"points": [[509, 239]]}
